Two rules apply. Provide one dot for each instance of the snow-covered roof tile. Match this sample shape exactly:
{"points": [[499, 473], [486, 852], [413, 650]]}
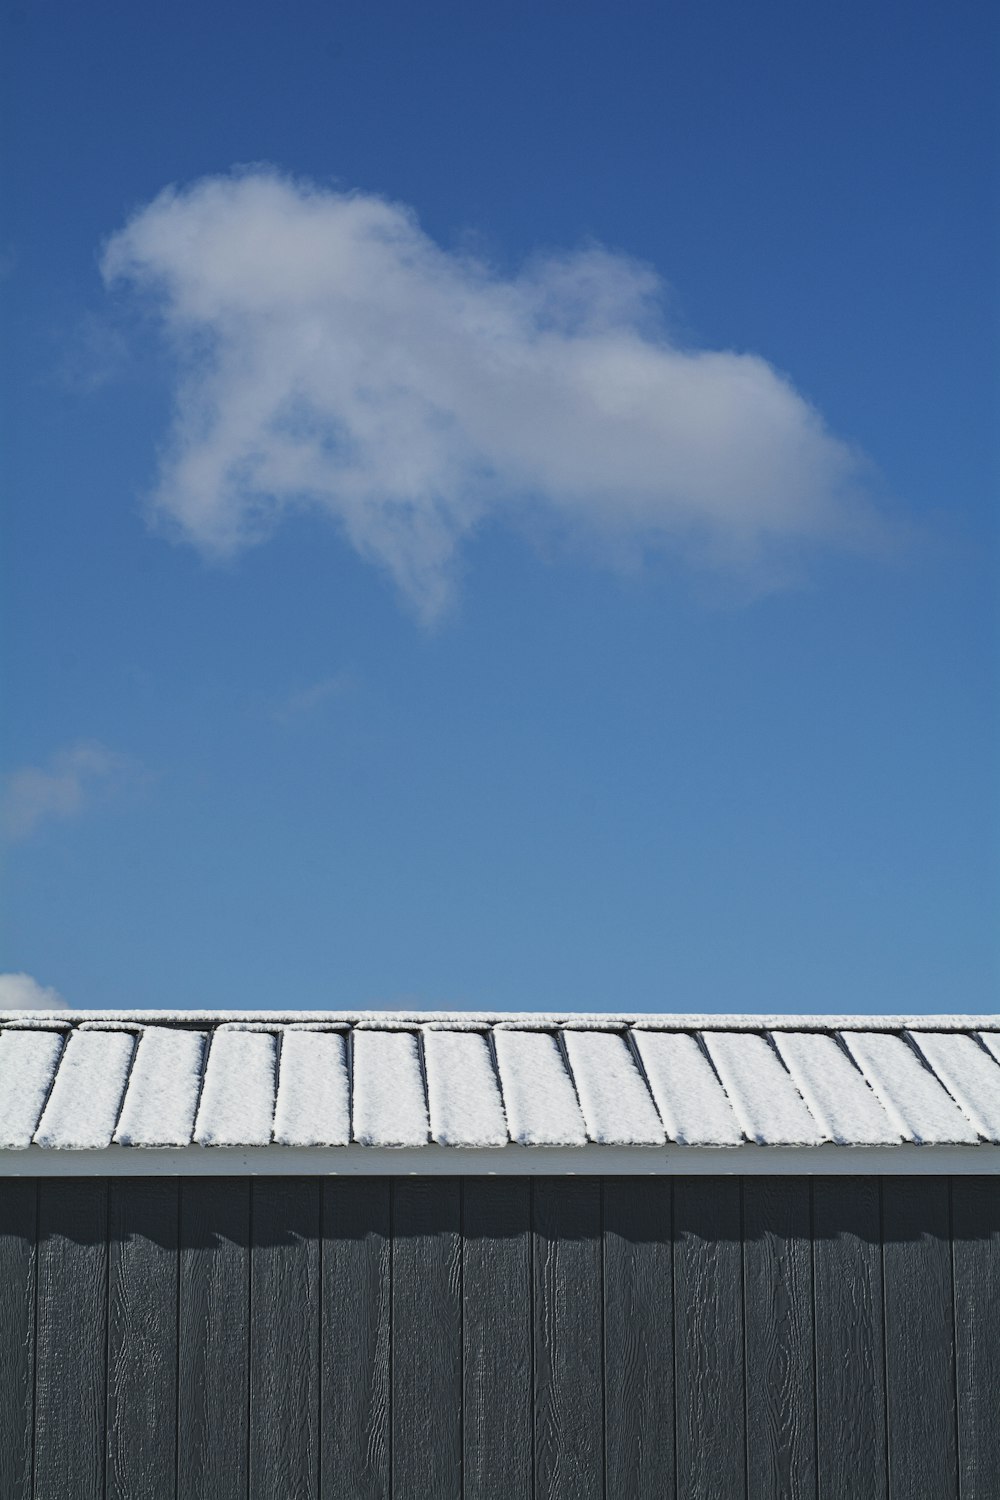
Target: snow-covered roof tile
{"points": [[616, 1105], [27, 1067], [163, 1086], [82, 1109], [314, 1095], [991, 1041], [463, 1090], [911, 1095], [970, 1075], [766, 1102], [237, 1099], [542, 1108], [497, 1084], [834, 1090], [691, 1100], [389, 1107]]}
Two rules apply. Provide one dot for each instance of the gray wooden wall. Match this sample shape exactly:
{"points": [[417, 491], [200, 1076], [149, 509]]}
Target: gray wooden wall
{"points": [[428, 1338]]}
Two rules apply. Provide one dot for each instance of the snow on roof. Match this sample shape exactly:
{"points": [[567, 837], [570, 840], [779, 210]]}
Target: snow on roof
{"points": [[81, 1081]]}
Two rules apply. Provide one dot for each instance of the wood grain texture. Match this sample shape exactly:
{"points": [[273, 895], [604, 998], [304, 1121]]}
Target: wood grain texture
{"points": [[18, 1208], [71, 1342], [850, 1355], [214, 1318], [284, 1338], [975, 1219], [919, 1339], [638, 1339], [708, 1329], [356, 1315], [496, 1332], [778, 1321], [426, 1339], [142, 1339], [568, 1293], [496, 1339]]}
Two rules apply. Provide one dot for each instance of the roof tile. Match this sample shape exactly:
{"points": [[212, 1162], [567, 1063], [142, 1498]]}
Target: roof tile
{"points": [[616, 1105], [911, 1095], [321, 1080], [82, 1109], [237, 1100], [766, 1102]]}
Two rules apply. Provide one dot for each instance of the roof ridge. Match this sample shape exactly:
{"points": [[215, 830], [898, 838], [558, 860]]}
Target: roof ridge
{"points": [[575, 1020]]}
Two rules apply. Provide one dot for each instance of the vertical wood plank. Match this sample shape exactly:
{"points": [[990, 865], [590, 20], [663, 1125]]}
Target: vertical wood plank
{"points": [[142, 1342], [778, 1295], [708, 1338], [919, 1336], [569, 1397], [284, 1338], [850, 1360], [426, 1339], [71, 1338], [117, 1356], [976, 1259], [496, 1331], [18, 1207], [356, 1298], [214, 1338], [638, 1338]]}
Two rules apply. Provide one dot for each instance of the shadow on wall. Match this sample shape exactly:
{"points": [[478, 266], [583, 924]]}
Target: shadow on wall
{"points": [[200, 1213]]}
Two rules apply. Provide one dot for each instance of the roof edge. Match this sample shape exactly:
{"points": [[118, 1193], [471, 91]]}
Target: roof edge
{"points": [[505, 1161]]}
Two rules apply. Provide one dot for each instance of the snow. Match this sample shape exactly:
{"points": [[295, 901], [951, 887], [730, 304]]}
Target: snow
{"points": [[237, 1100], [558, 1086], [616, 1105], [162, 1093], [911, 1095], [689, 1097], [82, 1109], [27, 1064], [836, 1093], [678, 1021], [767, 1104], [389, 1108], [990, 1039], [314, 1097], [969, 1074], [542, 1109], [462, 1089]]}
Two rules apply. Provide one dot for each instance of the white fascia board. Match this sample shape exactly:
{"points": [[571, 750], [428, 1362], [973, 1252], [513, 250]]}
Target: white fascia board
{"points": [[504, 1161]]}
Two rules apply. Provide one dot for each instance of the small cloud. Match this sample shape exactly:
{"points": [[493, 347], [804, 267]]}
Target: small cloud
{"points": [[333, 357], [300, 704], [21, 992], [62, 788], [95, 353]]}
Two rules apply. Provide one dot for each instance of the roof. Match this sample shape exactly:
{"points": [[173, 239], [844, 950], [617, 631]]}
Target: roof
{"points": [[464, 1091]]}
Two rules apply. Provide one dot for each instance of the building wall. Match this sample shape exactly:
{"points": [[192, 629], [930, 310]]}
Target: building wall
{"points": [[430, 1338]]}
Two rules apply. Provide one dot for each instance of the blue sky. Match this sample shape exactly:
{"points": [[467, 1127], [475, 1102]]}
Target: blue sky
{"points": [[515, 525]]}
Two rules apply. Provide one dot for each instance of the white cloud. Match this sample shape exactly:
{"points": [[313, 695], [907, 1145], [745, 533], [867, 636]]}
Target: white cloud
{"points": [[304, 701], [61, 788], [333, 356], [21, 992]]}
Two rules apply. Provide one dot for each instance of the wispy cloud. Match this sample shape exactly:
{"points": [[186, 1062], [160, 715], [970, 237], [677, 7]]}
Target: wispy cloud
{"points": [[21, 992], [333, 356], [305, 701], [61, 788], [92, 354]]}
